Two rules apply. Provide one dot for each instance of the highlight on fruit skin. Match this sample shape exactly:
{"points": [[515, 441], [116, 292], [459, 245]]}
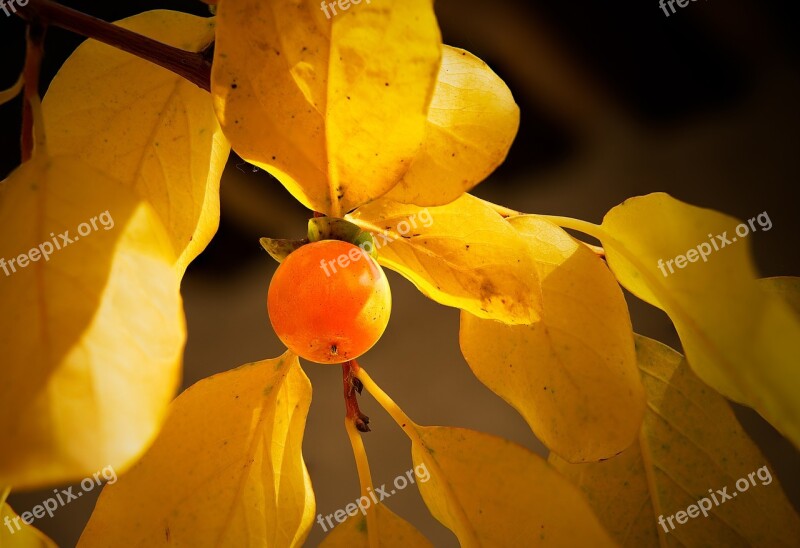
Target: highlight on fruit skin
{"points": [[329, 301]]}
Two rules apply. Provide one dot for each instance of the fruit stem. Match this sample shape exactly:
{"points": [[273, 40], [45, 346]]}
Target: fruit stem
{"points": [[364, 478], [352, 385], [193, 66]]}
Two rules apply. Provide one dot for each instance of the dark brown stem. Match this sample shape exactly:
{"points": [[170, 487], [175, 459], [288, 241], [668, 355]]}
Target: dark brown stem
{"points": [[352, 386], [34, 49], [193, 66]]}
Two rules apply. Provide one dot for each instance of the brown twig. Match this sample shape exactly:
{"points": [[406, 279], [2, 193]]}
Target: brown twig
{"points": [[34, 50], [352, 386], [193, 66]]}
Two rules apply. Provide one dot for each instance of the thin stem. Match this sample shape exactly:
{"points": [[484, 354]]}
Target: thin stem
{"points": [[193, 66], [9, 94], [599, 251], [352, 385], [582, 226], [402, 420], [364, 479], [34, 50], [575, 224], [565, 222], [412, 431]]}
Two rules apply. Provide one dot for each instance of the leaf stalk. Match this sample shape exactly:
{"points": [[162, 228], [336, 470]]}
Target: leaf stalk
{"points": [[364, 479]]}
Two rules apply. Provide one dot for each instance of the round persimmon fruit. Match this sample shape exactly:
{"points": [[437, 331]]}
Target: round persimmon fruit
{"points": [[329, 301]]}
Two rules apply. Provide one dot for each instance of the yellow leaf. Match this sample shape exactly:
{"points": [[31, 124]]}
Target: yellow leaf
{"points": [[572, 374], [786, 288], [15, 533], [226, 469], [145, 126], [92, 333], [738, 339], [491, 492], [472, 122], [336, 107], [690, 448], [395, 532], [462, 254]]}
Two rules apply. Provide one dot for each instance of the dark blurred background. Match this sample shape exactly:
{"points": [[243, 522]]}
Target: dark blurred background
{"points": [[617, 100]]}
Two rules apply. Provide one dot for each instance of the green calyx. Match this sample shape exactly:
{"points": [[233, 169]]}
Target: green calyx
{"points": [[321, 228], [279, 249], [331, 228]]}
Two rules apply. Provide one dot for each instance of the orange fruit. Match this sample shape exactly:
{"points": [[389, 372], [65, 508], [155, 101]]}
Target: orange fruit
{"points": [[329, 301]]}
